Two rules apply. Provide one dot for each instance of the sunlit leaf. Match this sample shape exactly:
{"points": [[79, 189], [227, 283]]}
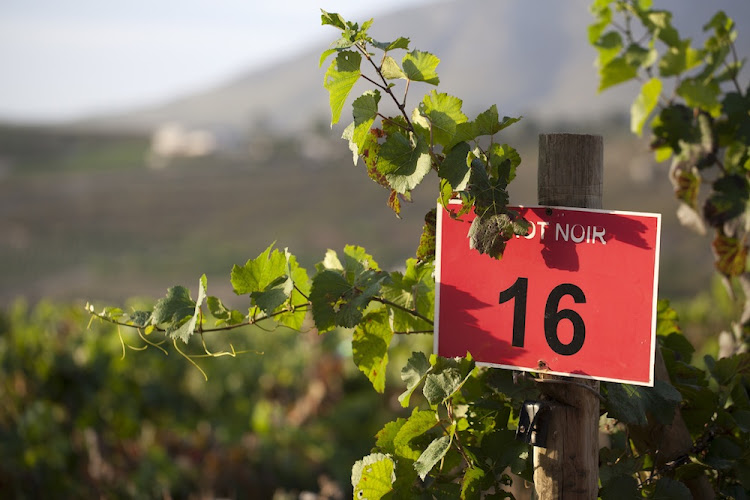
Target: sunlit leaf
{"points": [[420, 67], [390, 69], [432, 455], [403, 164], [257, 274], [644, 104], [339, 79], [332, 19], [446, 378], [413, 374], [444, 114], [419, 422], [370, 343], [373, 476], [223, 314], [399, 43], [616, 71]]}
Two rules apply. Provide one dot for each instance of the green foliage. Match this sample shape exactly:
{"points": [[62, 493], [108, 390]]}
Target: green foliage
{"points": [[459, 439], [81, 420], [400, 150], [702, 118]]}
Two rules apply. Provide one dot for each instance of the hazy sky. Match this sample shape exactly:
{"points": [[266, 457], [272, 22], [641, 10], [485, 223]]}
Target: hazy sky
{"points": [[63, 59]]}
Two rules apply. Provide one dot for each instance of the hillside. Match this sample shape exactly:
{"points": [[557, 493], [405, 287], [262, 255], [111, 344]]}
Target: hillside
{"points": [[530, 58], [125, 230]]}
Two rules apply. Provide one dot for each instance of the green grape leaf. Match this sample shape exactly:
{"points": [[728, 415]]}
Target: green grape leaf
{"points": [[420, 67], [503, 161], [426, 248], [644, 104], [488, 123], [660, 23], [403, 164], [737, 108], [700, 94], [373, 476], [298, 283], [471, 484], [336, 305], [274, 295], [640, 57], [615, 72], [455, 167], [603, 15], [341, 291], [328, 288], [413, 290], [223, 315], [370, 343], [339, 79], [259, 273], [678, 59], [140, 318], [390, 69], [332, 19], [446, 378], [325, 55], [444, 113], [419, 422], [725, 370], [630, 404], [384, 439], [175, 309], [399, 43], [357, 261], [413, 374], [608, 47], [179, 312], [434, 453], [364, 109], [675, 125], [490, 194]]}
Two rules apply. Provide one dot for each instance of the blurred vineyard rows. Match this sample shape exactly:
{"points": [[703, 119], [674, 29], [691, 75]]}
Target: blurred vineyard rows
{"points": [[85, 417], [82, 218]]}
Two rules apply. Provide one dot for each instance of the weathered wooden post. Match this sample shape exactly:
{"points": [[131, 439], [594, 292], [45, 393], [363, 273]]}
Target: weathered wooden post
{"points": [[570, 174]]}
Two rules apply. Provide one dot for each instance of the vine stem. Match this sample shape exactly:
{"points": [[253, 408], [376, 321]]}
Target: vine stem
{"points": [[210, 330], [413, 312], [386, 88], [735, 71], [454, 435]]}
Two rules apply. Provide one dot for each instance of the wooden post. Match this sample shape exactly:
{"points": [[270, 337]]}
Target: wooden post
{"points": [[570, 174]]}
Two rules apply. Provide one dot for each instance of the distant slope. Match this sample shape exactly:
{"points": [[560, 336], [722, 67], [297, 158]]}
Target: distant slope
{"points": [[529, 57]]}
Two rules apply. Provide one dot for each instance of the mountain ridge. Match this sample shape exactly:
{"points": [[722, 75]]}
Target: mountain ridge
{"points": [[531, 58]]}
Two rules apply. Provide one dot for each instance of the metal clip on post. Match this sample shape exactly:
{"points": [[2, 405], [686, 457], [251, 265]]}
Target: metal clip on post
{"points": [[532, 425]]}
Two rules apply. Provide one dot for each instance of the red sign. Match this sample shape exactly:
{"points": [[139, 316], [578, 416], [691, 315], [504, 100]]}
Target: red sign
{"points": [[575, 297]]}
